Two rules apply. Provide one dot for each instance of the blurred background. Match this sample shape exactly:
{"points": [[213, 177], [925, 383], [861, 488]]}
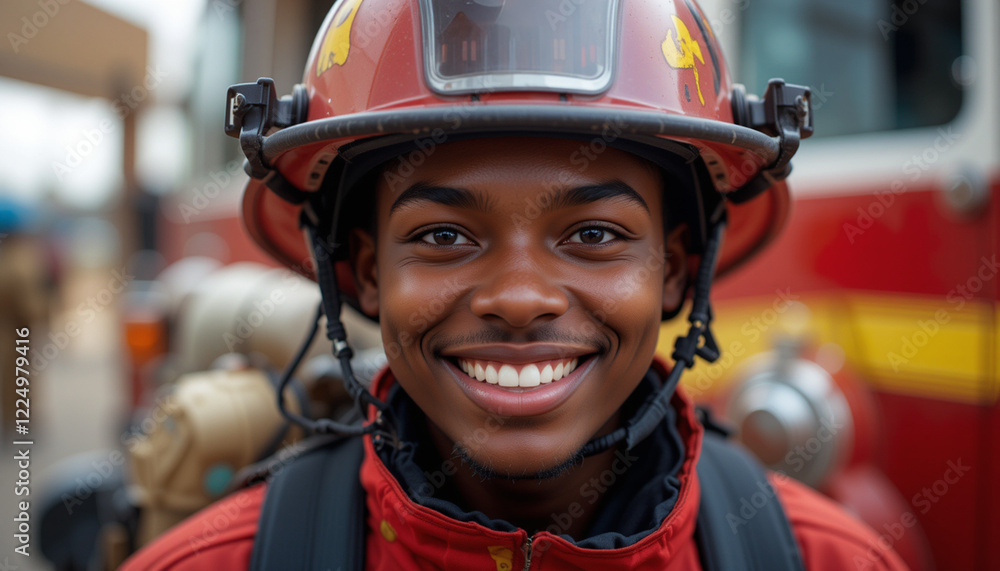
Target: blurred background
{"points": [[860, 349]]}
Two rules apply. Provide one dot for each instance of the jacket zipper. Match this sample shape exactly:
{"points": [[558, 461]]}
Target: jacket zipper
{"points": [[527, 553]]}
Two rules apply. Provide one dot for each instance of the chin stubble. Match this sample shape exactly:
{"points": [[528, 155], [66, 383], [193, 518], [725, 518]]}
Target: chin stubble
{"points": [[490, 472]]}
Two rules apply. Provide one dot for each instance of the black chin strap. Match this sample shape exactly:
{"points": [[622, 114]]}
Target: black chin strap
{"points": [[330, 305], [651, 413]]}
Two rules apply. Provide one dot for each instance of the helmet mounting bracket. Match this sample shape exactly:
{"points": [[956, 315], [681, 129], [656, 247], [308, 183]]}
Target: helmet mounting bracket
{"points": [[784, 112], [252, 112]]}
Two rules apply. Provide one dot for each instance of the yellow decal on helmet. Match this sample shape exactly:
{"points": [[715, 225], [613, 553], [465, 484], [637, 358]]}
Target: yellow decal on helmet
{"points": [[503, 556], [681, 50], [337, 42]]}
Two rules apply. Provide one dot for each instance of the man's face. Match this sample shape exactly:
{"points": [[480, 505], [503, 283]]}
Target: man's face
{"points": [[519, 284]]}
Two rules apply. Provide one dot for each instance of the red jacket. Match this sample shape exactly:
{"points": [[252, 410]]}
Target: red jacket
{"points": [[405, 535]]}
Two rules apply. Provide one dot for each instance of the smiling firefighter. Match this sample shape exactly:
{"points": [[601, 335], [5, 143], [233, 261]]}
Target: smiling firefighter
{"points": [[520, 193]]}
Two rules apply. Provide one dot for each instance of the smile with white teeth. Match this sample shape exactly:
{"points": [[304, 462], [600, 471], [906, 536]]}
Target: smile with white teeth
{"points": [[519, 376]]}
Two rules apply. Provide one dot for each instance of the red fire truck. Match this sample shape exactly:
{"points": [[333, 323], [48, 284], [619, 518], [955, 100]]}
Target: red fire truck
{"points": [[861, 347]]}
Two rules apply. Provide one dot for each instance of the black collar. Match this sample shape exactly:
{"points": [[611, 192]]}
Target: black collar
{"points": [[634, 499]]}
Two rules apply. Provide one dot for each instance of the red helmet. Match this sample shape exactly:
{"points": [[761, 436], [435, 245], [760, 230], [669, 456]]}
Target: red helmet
{"points": [[646, 76]]}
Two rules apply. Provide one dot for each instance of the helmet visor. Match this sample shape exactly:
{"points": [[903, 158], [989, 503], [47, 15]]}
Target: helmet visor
{"points": [[519, 45]]}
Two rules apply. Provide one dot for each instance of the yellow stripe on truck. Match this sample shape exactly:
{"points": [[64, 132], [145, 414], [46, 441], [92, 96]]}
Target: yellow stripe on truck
{"points": [[913, 345]]}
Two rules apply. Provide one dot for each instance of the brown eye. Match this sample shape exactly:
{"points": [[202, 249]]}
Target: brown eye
{"points": [[593, 235], [444, 237]]}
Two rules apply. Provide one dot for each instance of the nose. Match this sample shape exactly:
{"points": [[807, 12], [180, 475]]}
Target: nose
{"points": [[519, 292]]}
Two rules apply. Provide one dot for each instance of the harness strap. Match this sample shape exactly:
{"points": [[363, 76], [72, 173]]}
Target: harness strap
{"points": [[313, 516], [741, 523]]}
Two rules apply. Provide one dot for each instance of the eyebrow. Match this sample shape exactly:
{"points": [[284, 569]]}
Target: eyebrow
{"points": [[562, 198], [582, 195], [445, 195]]}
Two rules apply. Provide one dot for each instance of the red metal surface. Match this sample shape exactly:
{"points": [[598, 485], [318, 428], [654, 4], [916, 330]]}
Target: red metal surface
{"points": [[988, 507], [925, 441], [867, 492], [913, 247]]}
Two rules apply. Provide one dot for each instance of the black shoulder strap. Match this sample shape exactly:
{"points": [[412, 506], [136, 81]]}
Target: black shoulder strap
{"points": [[741, 523], [314, 513]]}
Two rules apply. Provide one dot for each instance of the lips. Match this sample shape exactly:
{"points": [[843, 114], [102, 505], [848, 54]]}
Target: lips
{"points": [[520, 380], [524, 376]]}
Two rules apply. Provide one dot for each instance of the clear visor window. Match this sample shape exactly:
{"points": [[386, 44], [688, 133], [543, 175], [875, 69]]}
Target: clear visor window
{"points": [[519, 45]]}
